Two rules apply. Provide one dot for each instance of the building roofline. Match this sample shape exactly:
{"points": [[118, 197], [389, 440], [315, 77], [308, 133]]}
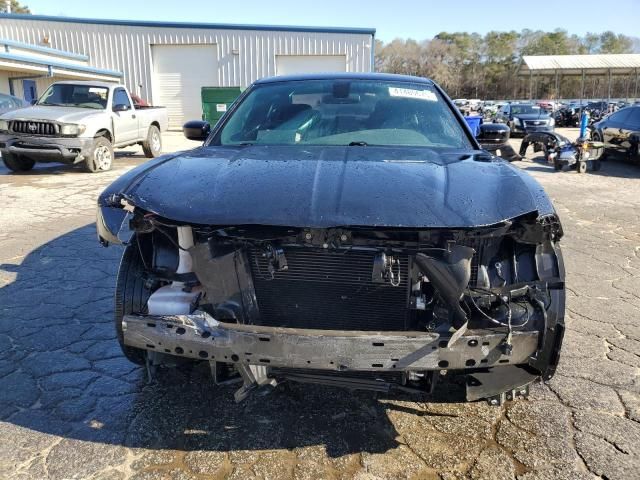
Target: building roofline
{"points": [[40, 49], [56, 64], [213, 26]]}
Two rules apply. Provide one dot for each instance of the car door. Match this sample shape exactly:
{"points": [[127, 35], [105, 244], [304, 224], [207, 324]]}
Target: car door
{"points": [[630, 129], [125, 122], [612, 131], [503, 114]]}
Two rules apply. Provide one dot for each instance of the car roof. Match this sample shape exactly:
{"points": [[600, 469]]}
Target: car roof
{"points": [[347, 76]]}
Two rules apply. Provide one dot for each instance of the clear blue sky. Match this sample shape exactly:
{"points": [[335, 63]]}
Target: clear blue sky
{"points": [[392, 18]]}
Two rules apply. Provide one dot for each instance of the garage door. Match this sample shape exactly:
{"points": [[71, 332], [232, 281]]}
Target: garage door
{"points": [[180, 71], [295, 64]]}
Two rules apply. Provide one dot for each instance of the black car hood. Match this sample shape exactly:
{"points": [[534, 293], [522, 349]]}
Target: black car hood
{"points": [[331, 186]]}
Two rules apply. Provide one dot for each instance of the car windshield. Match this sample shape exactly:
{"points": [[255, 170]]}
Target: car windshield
{"points": [[523, 109], [70, 95], [343, 112]]}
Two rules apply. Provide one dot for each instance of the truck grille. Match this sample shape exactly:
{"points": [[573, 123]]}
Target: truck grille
{"points": [[34, 128], [329, 290]]}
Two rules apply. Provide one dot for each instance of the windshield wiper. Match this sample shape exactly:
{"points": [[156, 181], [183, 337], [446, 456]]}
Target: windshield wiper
{"points": [[358, 144]]}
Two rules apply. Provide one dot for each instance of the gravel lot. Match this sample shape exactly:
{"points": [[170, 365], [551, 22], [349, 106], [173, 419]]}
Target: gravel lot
{"points": [[72, 407]]}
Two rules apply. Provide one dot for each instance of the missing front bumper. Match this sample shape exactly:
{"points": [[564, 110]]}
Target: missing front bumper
{"points": [[199, 336]]}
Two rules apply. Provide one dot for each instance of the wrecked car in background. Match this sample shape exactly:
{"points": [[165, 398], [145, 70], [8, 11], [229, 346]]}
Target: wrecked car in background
{"points": [[340, 229]]}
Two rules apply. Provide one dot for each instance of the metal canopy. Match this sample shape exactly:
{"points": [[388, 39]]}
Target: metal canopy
{"points": [[600, 64]]}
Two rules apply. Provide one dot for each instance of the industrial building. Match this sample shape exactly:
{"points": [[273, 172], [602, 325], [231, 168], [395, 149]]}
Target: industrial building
{"points": [[168, 63]]}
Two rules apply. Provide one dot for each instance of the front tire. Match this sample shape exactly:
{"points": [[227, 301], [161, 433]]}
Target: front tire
{"points": [[596, 137], [101, 157], [131, 297], [152, 146], [581, 166], [17, 163]]}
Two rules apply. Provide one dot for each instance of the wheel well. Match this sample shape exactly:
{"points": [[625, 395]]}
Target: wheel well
{"points": [[104, 133], [155, 124]]}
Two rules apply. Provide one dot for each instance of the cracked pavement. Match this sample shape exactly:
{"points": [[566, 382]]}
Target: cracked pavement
{"points": [[71, 406]]}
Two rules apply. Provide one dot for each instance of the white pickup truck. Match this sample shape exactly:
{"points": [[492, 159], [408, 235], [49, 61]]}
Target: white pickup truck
{"points": [[75, 122]]}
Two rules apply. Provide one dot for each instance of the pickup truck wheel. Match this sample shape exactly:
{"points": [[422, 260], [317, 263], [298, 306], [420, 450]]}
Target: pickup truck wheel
{"points": [[131, 297], [17, 163], [152, 146], [101, 157]]}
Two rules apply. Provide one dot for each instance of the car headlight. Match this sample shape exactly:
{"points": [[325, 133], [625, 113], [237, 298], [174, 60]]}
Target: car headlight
{"points": [[552, 122], [72, 130], [4, 126], [516, 121]]}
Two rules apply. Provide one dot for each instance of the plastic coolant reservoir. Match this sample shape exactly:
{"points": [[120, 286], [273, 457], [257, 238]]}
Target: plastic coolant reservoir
{"points": [[171, 300]]}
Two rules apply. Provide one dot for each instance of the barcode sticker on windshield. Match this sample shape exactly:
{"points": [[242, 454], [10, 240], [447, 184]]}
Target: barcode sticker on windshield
{"points": [[410, 93]]}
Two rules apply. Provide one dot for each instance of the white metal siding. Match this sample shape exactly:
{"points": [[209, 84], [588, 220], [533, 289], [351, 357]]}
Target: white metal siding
{"points": [[291, 64], [243, 56], [4, 82], [180, 72]]}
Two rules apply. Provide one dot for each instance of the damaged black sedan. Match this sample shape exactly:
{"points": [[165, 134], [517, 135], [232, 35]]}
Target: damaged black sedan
{"points": [[340, 229]]}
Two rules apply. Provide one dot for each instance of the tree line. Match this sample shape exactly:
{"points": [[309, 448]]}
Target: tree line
{"points": [[470, 65]]}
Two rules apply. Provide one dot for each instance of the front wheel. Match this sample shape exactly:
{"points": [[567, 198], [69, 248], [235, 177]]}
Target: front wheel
{"points": [[17, 163], [596, 137], [581, 167], [152, 146], [131, 297], [101, 157]]}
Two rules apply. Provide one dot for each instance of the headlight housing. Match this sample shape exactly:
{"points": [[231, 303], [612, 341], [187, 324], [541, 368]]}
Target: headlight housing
{"points": [[4, 126], [72, 129], [552, 122], [516, 121]]}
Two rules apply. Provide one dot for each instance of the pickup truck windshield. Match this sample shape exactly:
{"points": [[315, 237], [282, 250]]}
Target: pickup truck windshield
{"points": [[70, 95], [343, 112]]}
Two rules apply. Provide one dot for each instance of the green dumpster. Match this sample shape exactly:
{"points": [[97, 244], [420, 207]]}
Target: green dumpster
{"points": [[216, 101]]}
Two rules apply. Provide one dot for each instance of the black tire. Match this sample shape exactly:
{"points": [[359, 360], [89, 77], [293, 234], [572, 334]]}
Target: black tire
{"points": [[557, 166], [17, 163], [596, 137], [152, 146], [581, 166], [131, 297], [101, 157]]}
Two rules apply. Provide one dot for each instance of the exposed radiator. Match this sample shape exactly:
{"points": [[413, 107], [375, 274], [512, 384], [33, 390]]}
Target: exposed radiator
{"points": [[329, 290]]}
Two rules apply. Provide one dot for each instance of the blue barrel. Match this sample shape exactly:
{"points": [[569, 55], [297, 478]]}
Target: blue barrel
{"points": [[474, 124], [584, 123]]}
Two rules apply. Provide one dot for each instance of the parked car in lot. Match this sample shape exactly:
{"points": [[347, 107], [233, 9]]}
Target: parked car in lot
{"points": [[9, 102], [76, 122], [523, 118], [333, 229], [620, 132], [568, 115], [463, 105]]}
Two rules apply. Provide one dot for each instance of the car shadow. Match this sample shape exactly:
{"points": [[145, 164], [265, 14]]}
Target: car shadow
{"points": [[62, 373], [122, 159]]}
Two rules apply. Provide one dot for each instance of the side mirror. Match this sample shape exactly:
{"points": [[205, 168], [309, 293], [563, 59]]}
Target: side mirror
{"points": [[197, 130], [493, 134], [120, 107]]}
